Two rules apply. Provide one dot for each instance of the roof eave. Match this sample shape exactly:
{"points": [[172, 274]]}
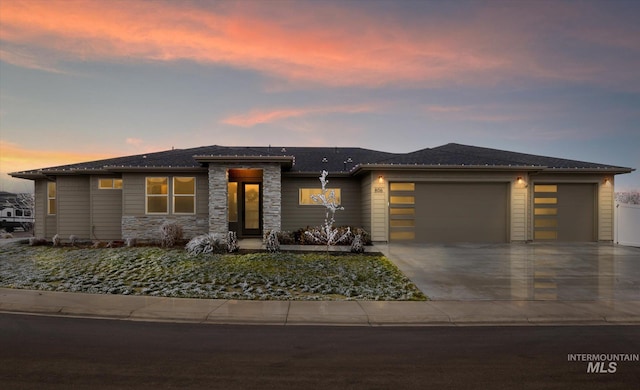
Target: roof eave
{"points": [[28, 175], [154, 169], [316, 173], [286, 161], [441, 167], [606, 170]]}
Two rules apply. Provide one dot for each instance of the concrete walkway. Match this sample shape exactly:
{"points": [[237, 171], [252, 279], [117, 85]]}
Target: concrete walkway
{"points": [[514, 293]]}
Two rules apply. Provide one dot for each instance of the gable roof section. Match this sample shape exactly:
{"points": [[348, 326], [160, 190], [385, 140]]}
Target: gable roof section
{"points": [[304, 160]]}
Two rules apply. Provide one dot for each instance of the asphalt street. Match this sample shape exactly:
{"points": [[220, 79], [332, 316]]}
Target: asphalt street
{"points": [[67, 353]]}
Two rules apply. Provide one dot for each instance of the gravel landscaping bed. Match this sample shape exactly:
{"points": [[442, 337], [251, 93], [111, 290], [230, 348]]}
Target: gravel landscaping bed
{"points": [[174, 273]]}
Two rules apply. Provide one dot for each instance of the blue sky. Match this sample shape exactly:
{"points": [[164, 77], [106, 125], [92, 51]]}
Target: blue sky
{"points": [[86, 80]]}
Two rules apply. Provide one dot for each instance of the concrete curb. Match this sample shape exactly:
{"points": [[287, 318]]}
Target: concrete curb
{"points": [[331, 313]]}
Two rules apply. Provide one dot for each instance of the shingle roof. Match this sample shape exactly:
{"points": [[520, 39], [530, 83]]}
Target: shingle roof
{"points": [[463, 155], [332, 159]]}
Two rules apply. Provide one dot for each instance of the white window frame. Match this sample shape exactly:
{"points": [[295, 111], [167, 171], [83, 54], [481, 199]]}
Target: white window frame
{"points": [[147, 195], [173, 182], [52, 198], [113, 183]]}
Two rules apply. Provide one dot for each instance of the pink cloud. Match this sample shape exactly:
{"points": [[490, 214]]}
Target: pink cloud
{"points": [[493, 112], [304, 42], [445, 109], [134, 141], [268, 116], [353, 51]]}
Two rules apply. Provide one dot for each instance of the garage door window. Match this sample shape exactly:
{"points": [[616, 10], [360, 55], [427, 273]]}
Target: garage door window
{"points": [[545, 212], [402, 202]]}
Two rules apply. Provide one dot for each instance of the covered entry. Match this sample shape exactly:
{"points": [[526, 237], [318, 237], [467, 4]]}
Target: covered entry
{"points": [[449, 212], [245, 202]]}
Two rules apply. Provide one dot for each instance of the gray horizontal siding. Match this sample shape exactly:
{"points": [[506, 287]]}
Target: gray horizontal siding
{"points": [[133, 193], [106, 212], [295, 216], [365, 201], [73, 206], [42, 220]]}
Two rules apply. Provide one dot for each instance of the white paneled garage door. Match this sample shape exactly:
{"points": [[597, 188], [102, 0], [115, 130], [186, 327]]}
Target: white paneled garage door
{"points": [[449, 212]]}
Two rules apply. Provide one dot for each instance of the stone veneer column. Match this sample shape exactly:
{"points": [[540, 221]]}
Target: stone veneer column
{"points": [[271, 197], [218, 200]]}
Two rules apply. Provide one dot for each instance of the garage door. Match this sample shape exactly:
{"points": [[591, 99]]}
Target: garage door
{"points": [[449, 212], [564, 212]]}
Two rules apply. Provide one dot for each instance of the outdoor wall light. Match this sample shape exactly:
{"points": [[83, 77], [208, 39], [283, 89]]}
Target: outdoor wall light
{"points": [[607, 181], [380, 179]]}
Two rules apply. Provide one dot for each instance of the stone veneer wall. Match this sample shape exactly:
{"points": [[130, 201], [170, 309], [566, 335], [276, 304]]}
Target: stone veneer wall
{"points": [[271, 196], [218, 179], [147, 227]]}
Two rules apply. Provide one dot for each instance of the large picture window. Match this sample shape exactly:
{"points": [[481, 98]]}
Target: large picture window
{"points": [[157, 195], [184, 195], [305, 195], [51, 198]]}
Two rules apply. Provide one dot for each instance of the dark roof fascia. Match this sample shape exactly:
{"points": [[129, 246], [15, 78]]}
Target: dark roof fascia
{"points": [[74, 171], [607, 170], [317, 174], [155, 169], [420, 167], [29, 175], [283, 160]]}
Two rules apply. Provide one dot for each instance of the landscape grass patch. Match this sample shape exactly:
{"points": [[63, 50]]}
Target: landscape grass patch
{"points": [[175, 273]]}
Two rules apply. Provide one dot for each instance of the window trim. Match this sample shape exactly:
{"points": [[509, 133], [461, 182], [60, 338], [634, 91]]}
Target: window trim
{"points": [[113, 183], [50, 185], [174, 195], [147, 195]]}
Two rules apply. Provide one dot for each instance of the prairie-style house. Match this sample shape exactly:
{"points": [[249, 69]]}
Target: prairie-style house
{"points": [[451, 193]]}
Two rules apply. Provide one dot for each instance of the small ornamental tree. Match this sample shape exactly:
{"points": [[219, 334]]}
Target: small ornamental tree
{"points": [[327, 234], [630, 197]]}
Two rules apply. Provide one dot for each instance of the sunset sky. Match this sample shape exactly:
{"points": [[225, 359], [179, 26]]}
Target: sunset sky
{"points": [[83, 80]]}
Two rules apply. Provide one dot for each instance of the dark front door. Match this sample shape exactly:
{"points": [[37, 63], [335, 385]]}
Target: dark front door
{"points": [[251, 209]]}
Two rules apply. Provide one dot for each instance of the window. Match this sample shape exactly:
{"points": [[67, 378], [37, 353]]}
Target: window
{"points": [[232, 201], [402, 211], [402, 200], [546, 188], [545, 220], [110, 184], [545, 235], [157, 195], [545, 211], [184, 195], [305, 195], [402, 186], [51, 198]]}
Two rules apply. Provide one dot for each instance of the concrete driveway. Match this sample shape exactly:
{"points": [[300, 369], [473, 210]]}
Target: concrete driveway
{"points": [[520, 272]]}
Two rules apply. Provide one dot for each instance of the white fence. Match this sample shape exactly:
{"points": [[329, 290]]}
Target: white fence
{"points": [[627, 229]]}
